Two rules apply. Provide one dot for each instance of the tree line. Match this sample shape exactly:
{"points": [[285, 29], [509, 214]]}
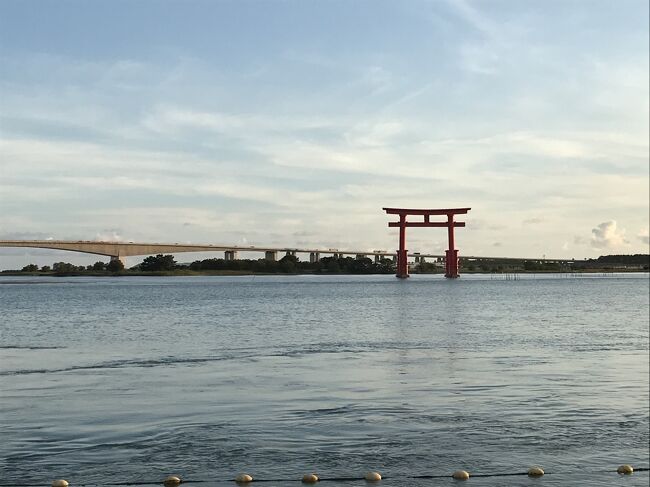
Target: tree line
{"points": [[290, 264], [61, 268]]}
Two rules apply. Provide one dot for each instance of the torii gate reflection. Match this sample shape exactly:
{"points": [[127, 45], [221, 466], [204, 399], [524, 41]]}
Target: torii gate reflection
{"points": [[451, 261]]}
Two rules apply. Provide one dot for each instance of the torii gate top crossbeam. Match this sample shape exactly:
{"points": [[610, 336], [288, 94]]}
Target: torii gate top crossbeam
{"points": [[437, 211]]}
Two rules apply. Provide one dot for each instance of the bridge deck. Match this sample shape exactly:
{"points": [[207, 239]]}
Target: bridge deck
{"points": [[126, 249]]}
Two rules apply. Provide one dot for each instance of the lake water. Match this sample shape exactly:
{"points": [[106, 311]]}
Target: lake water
{"points": [[131, 379]]}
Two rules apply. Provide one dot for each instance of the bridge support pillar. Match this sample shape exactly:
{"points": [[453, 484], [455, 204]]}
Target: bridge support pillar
{"points": [[271, 255], [377, 258], [314, 257], [230, 255], [120, 258]]}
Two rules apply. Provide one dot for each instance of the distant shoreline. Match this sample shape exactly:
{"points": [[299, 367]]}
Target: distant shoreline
{"points": [[189, 273]]}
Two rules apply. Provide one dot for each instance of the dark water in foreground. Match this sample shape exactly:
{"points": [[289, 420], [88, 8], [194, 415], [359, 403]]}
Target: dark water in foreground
{"points": [[132, 379]]}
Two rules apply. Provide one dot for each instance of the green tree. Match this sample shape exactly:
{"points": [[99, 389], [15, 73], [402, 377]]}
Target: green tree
{"points": [[288, 263], [386, 266], [99, 266], [63, 268], [427, 268], [529, 265], [46, 268], [115, 265], [363, 265], [159, 262], [330, 264], [30, 268]]}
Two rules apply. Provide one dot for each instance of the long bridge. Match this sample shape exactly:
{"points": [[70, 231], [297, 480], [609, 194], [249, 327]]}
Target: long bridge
{"points": [[121, 250]]}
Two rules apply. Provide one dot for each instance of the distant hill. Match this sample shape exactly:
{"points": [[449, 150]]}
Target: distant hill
{"points": [[636, 259], [640, 261]]}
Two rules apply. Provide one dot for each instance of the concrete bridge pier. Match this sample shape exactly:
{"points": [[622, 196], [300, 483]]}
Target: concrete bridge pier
{"points": [[271, 255], [314, 257], [230, 255], [120, 258]]}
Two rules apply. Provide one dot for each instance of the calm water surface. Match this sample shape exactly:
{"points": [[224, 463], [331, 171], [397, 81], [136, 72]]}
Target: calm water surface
{"points": [[133, 379]]}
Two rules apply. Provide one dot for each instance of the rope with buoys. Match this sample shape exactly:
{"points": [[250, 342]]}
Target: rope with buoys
{"points": [[312, 478]]}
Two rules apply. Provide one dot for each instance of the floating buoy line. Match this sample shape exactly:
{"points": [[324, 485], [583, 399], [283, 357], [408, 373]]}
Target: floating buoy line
{"points": [[313, 478]]}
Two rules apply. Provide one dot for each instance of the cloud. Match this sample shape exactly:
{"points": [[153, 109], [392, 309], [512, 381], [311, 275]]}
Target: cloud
{"points": [[580, 240], [644, 236], [607, 236], [481, 224], [533, 221], [108, 236], [474, 18], [24, 236]]}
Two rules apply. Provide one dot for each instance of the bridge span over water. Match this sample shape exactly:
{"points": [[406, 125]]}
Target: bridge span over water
{"points": [[121, 250]]}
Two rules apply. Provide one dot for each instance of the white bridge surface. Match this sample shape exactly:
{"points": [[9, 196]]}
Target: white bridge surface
{"points": [[119, 250]]}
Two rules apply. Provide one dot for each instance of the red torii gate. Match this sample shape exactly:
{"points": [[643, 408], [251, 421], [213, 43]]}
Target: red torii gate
{"points": [[451, 261]]}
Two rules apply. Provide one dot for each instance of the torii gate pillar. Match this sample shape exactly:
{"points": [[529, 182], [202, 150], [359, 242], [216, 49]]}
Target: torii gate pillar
{"points": [[451, 260]]}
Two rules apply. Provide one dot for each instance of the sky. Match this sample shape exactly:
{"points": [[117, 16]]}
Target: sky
{"points": [[292, 123]]}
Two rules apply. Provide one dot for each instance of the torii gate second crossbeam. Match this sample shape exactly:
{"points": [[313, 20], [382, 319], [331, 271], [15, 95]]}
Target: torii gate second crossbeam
{"points": [[451, 260]]}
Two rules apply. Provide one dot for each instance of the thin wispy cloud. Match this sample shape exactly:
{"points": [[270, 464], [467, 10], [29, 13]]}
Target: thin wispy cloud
{"points": [[644, 236]]}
